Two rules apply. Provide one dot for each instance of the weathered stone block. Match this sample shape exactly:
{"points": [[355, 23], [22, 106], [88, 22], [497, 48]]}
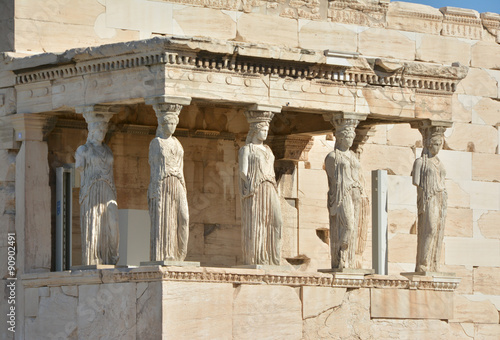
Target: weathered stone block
{"points": [[276, 313], [107, 311], [332, 323], [432, 107], [396, 160], [195, 22], [478, 82], [403, 135], [414, 18], [483, 195], [472, 137], [387, 43], [411, 304], [401, 191], [485, 54], [487, 112], [488, 224], [458, 222], [317, 300], [56, 317], [486, 280], [193, 310], [487, 332], [458, 194], [445, 50], [313, 184], [319, 35], [401, 220], [149, 310], [466, 310], [458, 165], [486, 167], [471, 252], [264, 29], [313, 213], [402, 248], [461, 106]]}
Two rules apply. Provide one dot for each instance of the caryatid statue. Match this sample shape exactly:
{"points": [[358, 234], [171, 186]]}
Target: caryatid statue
{"points": [[347, 201], [261, 220], [429, 178], [168, 206], [98, 207]]}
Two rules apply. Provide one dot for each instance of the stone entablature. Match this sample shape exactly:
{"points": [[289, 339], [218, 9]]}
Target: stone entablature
{"points": [[238, 276], [235, 73]]}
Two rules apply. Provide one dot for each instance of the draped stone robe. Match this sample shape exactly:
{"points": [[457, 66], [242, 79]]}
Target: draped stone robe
{"points": [[347, 206], [98, 208], [261, 221], [168, 208], [431, 204]]}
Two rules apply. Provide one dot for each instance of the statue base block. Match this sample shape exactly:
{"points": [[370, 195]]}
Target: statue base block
{"points": [[428, 274], [265, 267], [171, 263], [97, 266], [355, 271]]}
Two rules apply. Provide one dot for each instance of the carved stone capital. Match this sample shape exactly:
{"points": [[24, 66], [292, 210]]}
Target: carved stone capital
{"points": [[294, 148], [31, 126], [431, 128], [97, 112], [168, 105], [261, 113], [341, 119]]}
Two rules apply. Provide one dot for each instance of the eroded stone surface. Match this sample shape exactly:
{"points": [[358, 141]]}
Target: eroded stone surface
{"points": [[197, 310], [276, 313]]}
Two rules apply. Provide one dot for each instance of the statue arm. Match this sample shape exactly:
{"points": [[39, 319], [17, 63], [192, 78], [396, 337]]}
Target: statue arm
{"points": [[415, 173], [330, 173], [243, 162], [80, 158]]}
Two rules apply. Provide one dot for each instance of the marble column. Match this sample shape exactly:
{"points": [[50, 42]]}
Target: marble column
{"points": [[33, 210], [167, 196], [261, 220], [98, 205], [429, 177], [348, 203]]}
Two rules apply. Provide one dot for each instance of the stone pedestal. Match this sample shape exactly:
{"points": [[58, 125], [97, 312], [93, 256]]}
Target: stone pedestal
{"points": [[411, 275], [353, 271], [97, 266], [171, 263], [265, 267]]}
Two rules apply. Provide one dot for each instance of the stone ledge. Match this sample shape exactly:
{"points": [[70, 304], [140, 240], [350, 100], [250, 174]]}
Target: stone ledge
{"points": [[234, 276]]}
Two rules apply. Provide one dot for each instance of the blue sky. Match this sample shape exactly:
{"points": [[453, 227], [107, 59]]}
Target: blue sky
{"points": [[478, 5]]}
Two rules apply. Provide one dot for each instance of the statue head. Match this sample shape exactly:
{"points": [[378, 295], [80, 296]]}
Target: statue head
{"points": [[97, 126], [259, 125], [259, 131], [168, 118], [167, 124], [345, 133], [433, 138]]}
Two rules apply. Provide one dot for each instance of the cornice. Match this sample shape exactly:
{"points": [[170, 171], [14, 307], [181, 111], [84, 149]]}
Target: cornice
{"points": [[234, 276], [441, 79]]}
